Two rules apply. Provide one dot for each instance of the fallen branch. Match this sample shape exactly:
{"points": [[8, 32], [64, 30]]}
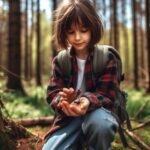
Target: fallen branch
{"points": [[137, 140], [141, 125], [141, 109], [44, 121]]}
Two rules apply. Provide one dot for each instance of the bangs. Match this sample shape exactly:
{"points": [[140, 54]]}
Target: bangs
{"points": [[78, 18], [79, 13]]}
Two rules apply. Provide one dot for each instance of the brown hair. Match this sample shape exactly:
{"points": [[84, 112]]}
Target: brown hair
{"points": [[78, 12]]}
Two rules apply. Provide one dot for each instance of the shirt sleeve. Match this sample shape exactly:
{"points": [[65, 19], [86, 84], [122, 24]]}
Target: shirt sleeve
{"points": [[55, 85], [105, 86]]}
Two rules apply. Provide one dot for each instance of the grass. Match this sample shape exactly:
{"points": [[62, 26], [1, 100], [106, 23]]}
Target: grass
{"points": [[19, 106], [136, 99], [34, 105]]}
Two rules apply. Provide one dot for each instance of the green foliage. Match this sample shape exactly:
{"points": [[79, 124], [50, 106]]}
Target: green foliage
{"points": [[136, 100], [34, 105], [19, 106]]}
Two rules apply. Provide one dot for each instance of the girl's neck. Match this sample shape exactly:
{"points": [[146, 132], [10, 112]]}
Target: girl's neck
{"points": [[82, 54]]}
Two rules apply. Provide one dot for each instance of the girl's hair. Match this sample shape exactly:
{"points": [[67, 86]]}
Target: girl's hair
{"points": [[78, 12]]}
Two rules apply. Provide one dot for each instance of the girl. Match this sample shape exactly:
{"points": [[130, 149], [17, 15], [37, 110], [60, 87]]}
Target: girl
{"points": [[84, 109]]}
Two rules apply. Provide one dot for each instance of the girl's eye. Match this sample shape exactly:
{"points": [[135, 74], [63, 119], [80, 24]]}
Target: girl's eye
{"points": [[84, 30], [70, 32]]}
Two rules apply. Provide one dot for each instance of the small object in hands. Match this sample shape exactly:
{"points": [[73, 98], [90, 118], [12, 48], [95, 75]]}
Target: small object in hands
{"points": [[77, 101], [74, 96]]}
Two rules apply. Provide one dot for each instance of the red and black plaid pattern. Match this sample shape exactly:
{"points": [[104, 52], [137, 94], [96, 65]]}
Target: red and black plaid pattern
{"points": [[100, 90]]}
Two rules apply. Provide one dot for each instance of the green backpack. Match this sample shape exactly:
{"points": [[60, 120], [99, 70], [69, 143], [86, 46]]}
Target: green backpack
{"points": [[99, 61]]}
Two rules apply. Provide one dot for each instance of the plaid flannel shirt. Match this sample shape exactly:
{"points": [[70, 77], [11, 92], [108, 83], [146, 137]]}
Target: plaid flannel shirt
{"points": [[100, 90]]}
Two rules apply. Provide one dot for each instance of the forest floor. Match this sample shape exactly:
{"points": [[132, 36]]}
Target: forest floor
{"points": [[34, 106], [36, 144]]}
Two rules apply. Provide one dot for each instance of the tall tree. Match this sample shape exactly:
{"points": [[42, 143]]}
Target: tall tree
{"points": [[141, 43], [111, 40], [31, 39], [115, 25], [125, 35], [14, 47], [0, 40], [148, 39], [104, 7], [38, 59], [2, 24], [54, 52], [26, 42], [135, 52]]}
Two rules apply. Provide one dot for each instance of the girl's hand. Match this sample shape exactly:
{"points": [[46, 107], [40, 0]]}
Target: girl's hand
{"points": [[68, 94], [78, 107]]}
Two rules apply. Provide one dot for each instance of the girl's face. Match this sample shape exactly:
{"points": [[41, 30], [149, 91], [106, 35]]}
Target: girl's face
{"points": [[79, 37]]}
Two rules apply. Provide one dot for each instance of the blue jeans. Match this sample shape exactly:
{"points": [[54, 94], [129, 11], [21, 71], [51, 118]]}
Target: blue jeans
{"points": [[96, 129]]}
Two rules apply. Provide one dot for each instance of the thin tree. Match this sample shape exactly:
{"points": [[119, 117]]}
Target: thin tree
{"points": [[104, 7], [38, 59], [54, 51], [31, 40], [1, 38], [125, 36], [115, 25], [14, 47], [142, 50], [2, 24], [111, 40], [148, 39], [26, 42], [135, 51]]}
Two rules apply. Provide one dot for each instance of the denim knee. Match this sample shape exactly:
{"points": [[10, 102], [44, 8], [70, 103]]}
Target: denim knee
{"points": [[99, 128]]}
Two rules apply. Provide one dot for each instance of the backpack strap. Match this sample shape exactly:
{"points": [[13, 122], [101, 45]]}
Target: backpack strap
{"points": [[99, 59], [122, 136], [65, 63]]}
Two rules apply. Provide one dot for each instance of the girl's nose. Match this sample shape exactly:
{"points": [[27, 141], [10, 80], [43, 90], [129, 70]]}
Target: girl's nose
{"points": [[77, 35]]}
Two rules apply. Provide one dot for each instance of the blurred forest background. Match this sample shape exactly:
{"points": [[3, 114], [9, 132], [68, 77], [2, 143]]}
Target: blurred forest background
{"points": [[26, 52]]}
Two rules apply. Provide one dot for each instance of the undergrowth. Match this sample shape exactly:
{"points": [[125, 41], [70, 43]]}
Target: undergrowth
{"points": [[35, 105], [18, 106]]}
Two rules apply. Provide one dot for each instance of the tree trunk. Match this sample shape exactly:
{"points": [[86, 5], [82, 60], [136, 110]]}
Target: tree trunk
{"points": [[14, 47], [38, 59], [125, 41], [26, 42], [104, 7], [142, 50], [0, 45], [111, 40], [148, 39], [54, 51], [135, 52], [116, 29], [31, 40]]}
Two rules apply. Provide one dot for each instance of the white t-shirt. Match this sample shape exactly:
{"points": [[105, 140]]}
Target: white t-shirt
{"points": [[81, 78]]}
